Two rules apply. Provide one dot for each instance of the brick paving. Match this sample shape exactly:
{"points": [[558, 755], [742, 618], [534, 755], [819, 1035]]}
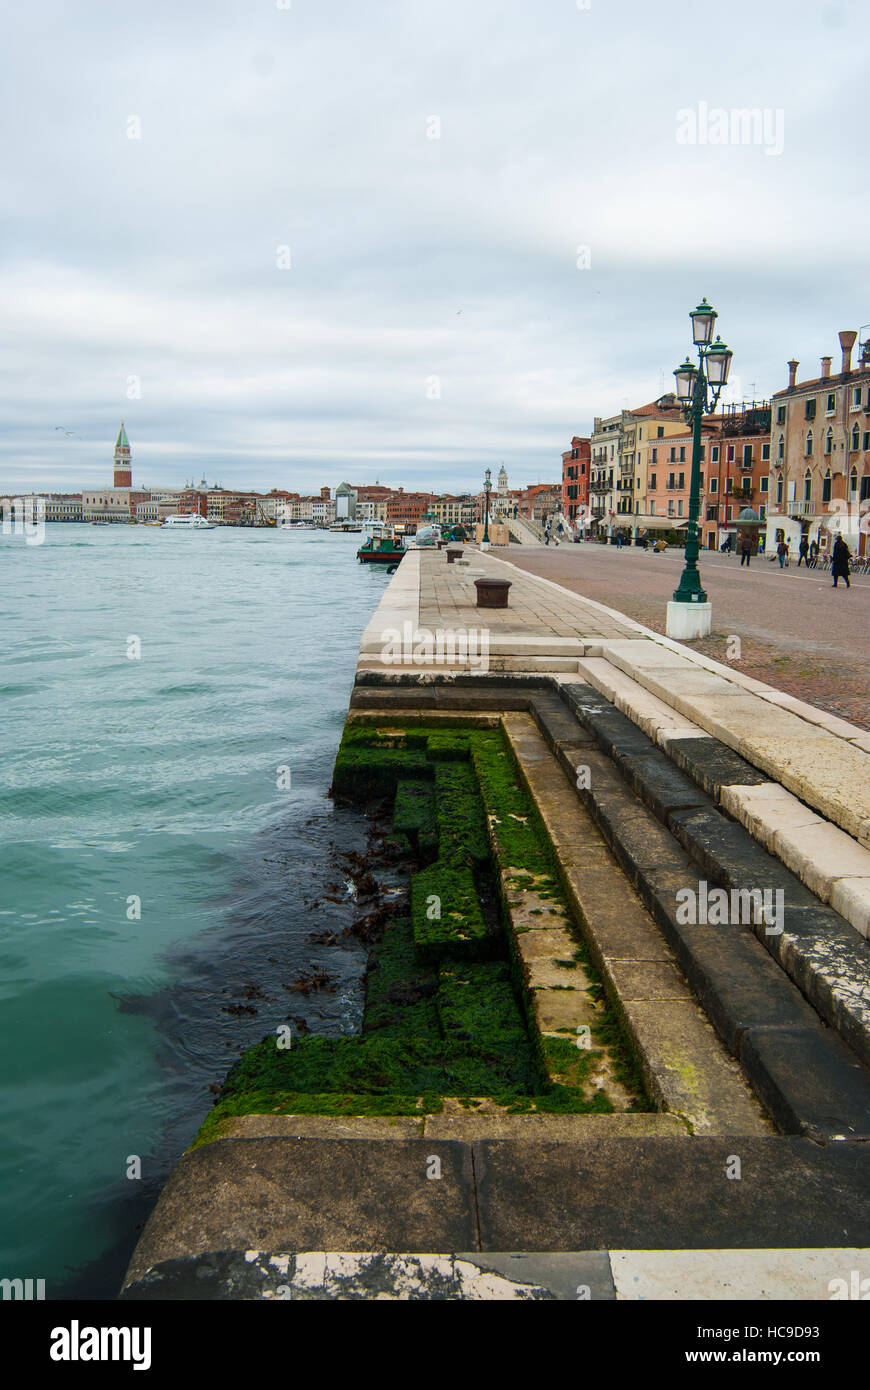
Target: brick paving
{"points": [[448, 599], [796, 633]]}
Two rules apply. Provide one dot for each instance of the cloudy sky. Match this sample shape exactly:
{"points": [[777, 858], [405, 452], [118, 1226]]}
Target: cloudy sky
{"points": [[296, 242]]}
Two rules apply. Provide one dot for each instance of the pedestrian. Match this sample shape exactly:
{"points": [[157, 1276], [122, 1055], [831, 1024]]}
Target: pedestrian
{"points": [[745, 551], [619, 541], [814, 551], [782, 552], [840, 561], [804, 551]]}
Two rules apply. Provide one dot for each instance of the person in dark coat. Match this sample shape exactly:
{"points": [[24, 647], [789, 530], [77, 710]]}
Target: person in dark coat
{"points": [[840, 558], [745, 550], [803, 551]]}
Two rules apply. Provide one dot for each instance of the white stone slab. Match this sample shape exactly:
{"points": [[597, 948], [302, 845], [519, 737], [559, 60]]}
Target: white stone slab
{"points": [[820, 854], [851, 898], [737, 1275], [766, 810]]}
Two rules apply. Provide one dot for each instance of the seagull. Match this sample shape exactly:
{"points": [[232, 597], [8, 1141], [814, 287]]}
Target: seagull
{"points": [[65, 430]]}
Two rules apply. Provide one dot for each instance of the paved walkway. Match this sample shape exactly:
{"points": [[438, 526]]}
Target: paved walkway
{"points": [[795, 632]]}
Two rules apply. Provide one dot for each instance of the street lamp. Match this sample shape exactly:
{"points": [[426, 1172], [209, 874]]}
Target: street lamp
{"points": [[698, 389], [487, 488]]}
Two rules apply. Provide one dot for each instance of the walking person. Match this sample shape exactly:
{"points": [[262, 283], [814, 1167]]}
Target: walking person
{"points": [[814, 551], [745, 551], [804, 551], [840, 561], [782, 552]]}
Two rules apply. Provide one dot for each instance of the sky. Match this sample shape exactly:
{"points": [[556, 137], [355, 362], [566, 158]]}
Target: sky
{"points": [[300, 242]]}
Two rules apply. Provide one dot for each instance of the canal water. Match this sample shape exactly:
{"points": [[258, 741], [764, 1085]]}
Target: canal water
{"points": [[174, 873]]}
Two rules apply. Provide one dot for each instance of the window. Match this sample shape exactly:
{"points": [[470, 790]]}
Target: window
{"points": [[729, 453], [780, 414], [764, 484], [652, 508], [681, 480], [808, 486], [853, 485], [660, 432], [701, 479], [746, 482], [866, 445], [829, 441], [810, 409], [714, 454], [682, 453], [703, 451], [765, 453], [655, 456], [680, 507], [779, 492], [673, 456], [762, 511], [780, 448], [670, 480], [856, 439], [652, 482], [714, 484], [808, 445], [856, 397], [729, 483], [831, 405], [747, 455], [670, 506], [826, 487]]}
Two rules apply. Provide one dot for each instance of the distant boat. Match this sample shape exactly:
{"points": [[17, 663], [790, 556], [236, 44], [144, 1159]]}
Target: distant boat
{"points": [[190, 521]]}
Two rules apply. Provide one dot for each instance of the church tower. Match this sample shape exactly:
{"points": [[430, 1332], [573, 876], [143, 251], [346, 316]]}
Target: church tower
{"points": [[123, 472], [502, 479]]}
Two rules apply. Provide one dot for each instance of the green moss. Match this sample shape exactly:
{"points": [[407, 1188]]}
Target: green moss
{"points": [[462, 834], [446, 914], [444, 1009], [414, 815]]}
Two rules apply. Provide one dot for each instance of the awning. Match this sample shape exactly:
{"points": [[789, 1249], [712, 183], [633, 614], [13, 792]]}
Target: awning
{"points": [[657, 523]]}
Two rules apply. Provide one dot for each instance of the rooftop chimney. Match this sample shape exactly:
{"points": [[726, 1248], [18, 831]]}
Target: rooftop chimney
{"points": [[826, 368], [792, 374], [847, 342]]}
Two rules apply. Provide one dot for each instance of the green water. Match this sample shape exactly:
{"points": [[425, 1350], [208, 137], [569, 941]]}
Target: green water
{"points": [[154, 779]]}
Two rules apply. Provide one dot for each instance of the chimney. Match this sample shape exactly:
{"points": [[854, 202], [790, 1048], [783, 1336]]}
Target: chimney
{"points": [[792, 374], [847, 342], [826, 368]]}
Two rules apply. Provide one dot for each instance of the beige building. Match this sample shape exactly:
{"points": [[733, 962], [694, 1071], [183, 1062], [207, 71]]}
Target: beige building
{"points": [[820, 452]]}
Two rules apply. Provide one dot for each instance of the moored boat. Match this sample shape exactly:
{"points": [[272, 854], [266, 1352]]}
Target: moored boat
{"points": [[381, 547]]}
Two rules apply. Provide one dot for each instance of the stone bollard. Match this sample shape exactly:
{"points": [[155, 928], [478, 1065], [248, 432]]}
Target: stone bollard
{"points": [[453, 553], [492, 593]]}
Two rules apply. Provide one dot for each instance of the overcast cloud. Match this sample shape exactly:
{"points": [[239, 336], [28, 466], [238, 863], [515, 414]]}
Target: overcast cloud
{"points": [[412, 258]]}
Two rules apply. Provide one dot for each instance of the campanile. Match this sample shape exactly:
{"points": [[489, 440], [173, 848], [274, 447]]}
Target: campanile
{"points": [[123, 472]]}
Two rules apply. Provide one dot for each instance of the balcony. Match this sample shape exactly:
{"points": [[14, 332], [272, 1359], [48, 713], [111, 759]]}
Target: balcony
{"points": [[800, 508]]}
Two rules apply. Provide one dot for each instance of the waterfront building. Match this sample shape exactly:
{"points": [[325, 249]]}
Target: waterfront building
{"points": [[739, 469], [345, 502], [604, 466], [575, 477], [820, 452], [63, 506], [408, 508]]}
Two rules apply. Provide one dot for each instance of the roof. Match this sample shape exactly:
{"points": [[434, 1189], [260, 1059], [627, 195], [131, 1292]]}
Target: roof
{"points": [[121, 442]]}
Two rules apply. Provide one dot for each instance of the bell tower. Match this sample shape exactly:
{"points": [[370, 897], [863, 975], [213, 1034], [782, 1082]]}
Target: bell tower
{"points": [[123, 471]]}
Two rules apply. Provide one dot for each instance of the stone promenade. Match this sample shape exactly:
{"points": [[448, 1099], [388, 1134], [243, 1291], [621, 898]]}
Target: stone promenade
{"points": [[661, 778]]}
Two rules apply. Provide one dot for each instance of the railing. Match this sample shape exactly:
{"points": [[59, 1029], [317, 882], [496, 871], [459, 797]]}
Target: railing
{"points": [[795, 508]]}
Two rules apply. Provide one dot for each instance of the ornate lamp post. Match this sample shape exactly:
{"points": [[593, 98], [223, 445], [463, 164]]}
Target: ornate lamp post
{"points": [[690, 614], [487, 488]]}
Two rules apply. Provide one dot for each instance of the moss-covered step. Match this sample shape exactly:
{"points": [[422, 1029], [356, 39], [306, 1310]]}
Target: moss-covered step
{"points": [[414, 815]]}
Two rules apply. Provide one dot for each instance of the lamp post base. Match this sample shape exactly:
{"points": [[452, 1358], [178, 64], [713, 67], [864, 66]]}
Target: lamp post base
{"points": [[688, 621], [484, 545]]}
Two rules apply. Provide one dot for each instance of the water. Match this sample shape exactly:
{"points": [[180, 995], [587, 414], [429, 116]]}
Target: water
{"points": [[156, 779]]}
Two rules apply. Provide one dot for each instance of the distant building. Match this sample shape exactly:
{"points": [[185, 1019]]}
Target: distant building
{"points": [[123, 468], [575, 477]]}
